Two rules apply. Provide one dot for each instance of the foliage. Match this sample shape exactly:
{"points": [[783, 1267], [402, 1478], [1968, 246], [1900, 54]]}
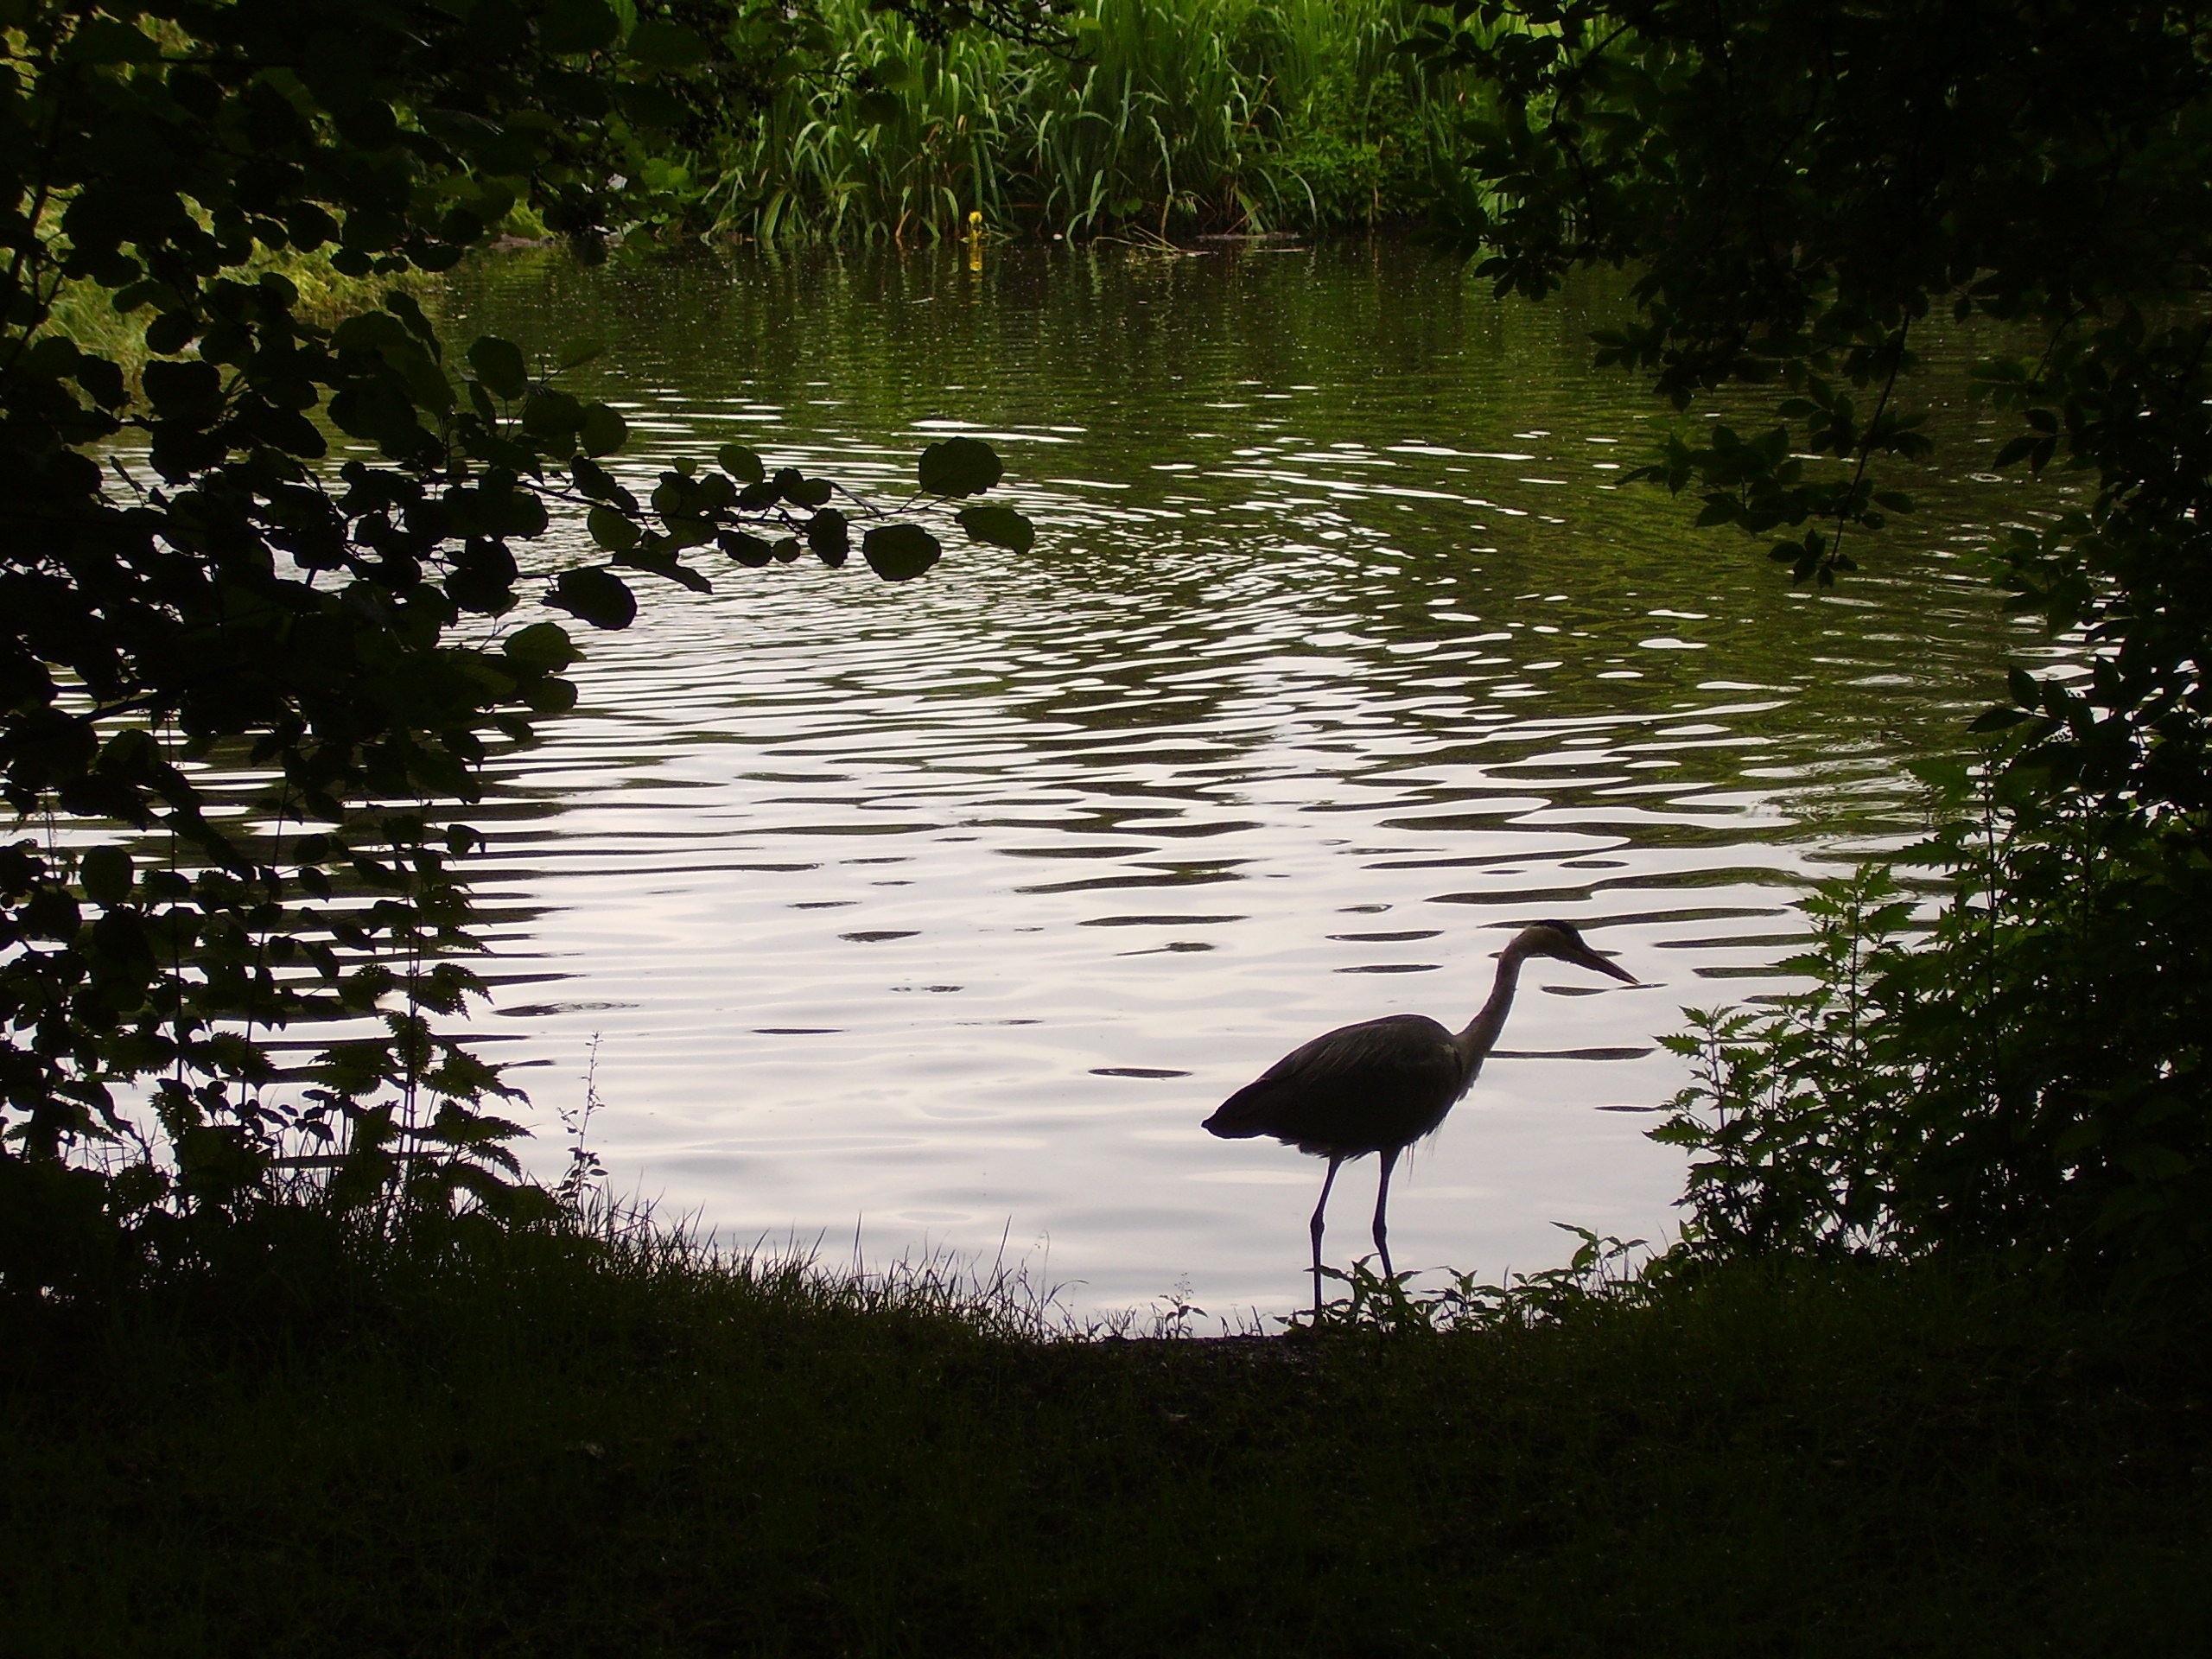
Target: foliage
{"points": [[1800, 185], [1601, 1275], [1792, 1113], [271, 597], [2024, 1080], [1169, 117]]}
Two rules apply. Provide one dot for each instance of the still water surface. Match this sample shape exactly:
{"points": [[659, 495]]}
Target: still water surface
{"points": [[941, 913]]}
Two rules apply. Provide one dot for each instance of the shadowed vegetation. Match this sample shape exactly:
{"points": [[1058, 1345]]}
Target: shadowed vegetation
{"points": [[251, 545], [1803, 188], [537, 1443]]}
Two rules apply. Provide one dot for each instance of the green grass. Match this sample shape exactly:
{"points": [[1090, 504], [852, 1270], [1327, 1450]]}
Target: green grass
{"points": [[532, 1446], [1176, 116]]}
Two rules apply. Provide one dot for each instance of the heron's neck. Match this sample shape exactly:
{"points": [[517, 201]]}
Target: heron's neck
{"points": [[1481, 1034]]}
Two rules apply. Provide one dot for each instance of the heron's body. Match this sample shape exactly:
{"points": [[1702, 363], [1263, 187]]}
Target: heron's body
{"points": [[1382, 1085], [1371, 1087]]}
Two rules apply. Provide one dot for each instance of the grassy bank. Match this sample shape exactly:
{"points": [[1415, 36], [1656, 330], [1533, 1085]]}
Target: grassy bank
{"points": [[1165, 118], [84, 312], [532, 1448]]}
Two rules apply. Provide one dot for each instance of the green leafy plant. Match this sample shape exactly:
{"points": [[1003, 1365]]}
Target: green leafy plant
{"points": [[2019, 1075], [1799, 185], [1790, 1114], [1602, 1273], [272, 589]]}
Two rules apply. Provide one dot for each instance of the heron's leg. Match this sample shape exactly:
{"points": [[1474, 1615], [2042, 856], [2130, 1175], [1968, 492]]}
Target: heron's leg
{"points": [[1382, 1199], [1327, 1181]]}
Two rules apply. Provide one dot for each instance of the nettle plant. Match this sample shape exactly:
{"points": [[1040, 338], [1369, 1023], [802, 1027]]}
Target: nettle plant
{"points": [[265, 606], [1801, 191]]}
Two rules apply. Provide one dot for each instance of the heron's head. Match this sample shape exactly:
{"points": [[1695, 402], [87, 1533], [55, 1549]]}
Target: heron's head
{"points": [[1559, 939]]}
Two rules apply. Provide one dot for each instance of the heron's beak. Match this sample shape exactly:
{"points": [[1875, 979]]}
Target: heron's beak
{"points": [[1594, 960]]}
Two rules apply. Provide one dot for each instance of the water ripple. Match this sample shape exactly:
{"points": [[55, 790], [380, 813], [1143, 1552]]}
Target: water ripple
{"points": [[954, 906]]}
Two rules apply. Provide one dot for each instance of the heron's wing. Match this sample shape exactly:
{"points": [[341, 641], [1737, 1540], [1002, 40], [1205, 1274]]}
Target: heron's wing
{"points": [[1361, 1088]]}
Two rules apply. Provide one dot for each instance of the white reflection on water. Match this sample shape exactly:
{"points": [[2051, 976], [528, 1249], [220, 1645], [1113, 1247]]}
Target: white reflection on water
{"points": [[948, 911]]}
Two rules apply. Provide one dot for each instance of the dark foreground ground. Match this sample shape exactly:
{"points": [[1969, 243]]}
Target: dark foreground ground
{"points": [[531, 1452]]}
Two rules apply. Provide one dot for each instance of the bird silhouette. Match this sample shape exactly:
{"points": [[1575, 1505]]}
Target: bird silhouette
{"points": [[1381, 1086]]}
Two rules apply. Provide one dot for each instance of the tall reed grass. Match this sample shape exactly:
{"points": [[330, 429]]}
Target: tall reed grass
{"points": [[1175, 117]]}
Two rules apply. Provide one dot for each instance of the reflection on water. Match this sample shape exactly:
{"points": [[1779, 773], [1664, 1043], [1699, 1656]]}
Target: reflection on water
{"points": [[947, 910]]}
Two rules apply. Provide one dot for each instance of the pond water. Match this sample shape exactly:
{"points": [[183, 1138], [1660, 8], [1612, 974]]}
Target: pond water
{"points": [[936, 917]]}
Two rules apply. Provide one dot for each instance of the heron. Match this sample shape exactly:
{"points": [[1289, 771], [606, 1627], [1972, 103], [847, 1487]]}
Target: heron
{"points": [[1381, 1086]]}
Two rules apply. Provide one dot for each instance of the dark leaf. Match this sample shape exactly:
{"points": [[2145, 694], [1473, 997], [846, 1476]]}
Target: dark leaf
{"points": [[498, 365], [959, 467], [544, 646], [1000, 526], [669, 567], [612, 530], [749, 550], [828, 535], [594, 595], [105, 874], [900, 552], [603, 430], [550, 414]]}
